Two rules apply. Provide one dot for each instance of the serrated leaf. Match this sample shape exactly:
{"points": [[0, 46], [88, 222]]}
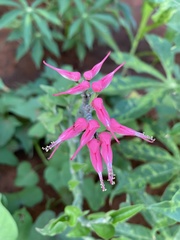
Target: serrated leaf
{"points": [[79, 231], [9, 230], [8, 17], [37, 131]]}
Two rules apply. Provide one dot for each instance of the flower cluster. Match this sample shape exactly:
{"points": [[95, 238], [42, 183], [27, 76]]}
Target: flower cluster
{"points": [[99, 144]]}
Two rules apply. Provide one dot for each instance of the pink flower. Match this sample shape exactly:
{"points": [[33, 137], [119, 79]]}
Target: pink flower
{"points": [[83, 86], [96, 159], [103, 115], [88, 75], [73, 76], [87, 135], [123, 130], [73, 131], [106, 152], [104, 82]]}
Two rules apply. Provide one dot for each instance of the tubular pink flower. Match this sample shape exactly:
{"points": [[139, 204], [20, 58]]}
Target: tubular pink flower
{"points": [[87, 135], [106, 152], [88, 75], [73, 76], [123, 130], [83, 86], [105, 81], [96, 159], [103, 115], [73, 131]]}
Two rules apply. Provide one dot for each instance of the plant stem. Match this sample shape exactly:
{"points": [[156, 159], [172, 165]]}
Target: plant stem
{"points": [[40, 153]]}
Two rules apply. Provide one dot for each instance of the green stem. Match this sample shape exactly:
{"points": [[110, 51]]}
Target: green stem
{"points": [[40, 153]]}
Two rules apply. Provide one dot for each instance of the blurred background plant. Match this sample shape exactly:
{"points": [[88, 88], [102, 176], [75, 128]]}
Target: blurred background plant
{"points": [[61, 200]]}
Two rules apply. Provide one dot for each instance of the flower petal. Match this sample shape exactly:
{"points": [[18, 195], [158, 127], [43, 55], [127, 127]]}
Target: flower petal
{"points": [[73, 76], [88, 75], [73, 131], [104, 82], [123, 130], [103, 115], [87, 135], [106, 152], [96, 160], [83, 86]]}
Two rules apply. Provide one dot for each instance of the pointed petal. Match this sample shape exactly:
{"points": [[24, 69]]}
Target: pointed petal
{"points": [[104, 82], [106, 152], [123, 130], [88, 75], [103, 115], [96, 160], [83, 86], [73, 76], [73, 131]]}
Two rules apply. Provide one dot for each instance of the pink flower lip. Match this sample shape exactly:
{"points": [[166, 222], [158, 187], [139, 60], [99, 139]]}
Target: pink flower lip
{"points": [[73, 76], [88, 75], [81, 87]]}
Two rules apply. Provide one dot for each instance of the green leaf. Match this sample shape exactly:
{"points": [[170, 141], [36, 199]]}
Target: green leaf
{"points": [[105, 18], [29, 197], [97, 199], [8, 17], [24, 222], [103, 230], [27, 29], [74, 28], [63, 6], [80, 6], [136, 64], [37, 52], [42, 26], [54, 227], [133, 231], [21, 51], [37, 131], [49, 16], [170, 208], [121, 84], [51, 46], [8, 127], [7, 157], [29, 110], [26, 176], [9, 3], [88, 34], [73, 214], [171, 189], [9, 230], [162, 48], [41, 220], [134, 108], [144, 151], [125, 213], [78, 231]]}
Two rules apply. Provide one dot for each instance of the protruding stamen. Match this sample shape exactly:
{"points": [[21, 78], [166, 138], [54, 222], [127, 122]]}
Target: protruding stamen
{"points": [[49, 147], [102, 182], [111, 175], [145, 137]]}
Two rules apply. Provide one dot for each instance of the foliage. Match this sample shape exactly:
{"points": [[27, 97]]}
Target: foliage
{"points": [[142, 97], [57, 26]]}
